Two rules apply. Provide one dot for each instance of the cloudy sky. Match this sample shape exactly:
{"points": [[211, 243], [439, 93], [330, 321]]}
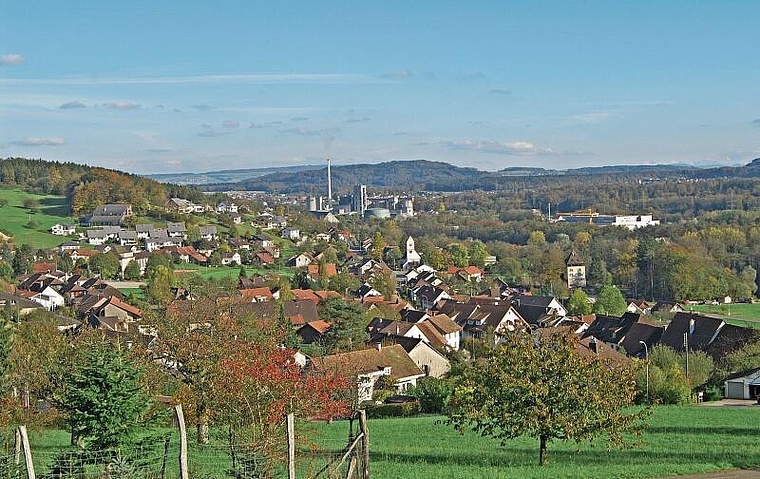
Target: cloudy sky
{"points": [[148, 86]]}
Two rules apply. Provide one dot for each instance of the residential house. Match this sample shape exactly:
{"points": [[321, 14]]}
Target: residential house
{"points": [[263, 258], [176, 230], [19, 306], [208, 232], [236, 218], [110, 215], [639, 334], [144, 230], [575, 271], [83, 254], [293, 234], [300, 260], [256, 295], [479, 320], [68, 246], [231, 258], [59, 229], [40, 288], [367, 366], [239, 243], [301, 311], [186, 254], [639, 306], [427, 358], [667, 307], [429, 296], [313, 331], [127, 238], [226, 208]]}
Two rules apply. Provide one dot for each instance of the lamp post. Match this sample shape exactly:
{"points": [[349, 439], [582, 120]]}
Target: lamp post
{"points": [[646, 353]]}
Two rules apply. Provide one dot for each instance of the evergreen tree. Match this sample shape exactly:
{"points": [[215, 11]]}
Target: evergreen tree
{"points": [[103, 396]]}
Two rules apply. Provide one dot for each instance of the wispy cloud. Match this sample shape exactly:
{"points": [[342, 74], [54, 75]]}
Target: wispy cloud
{"points": [[397, 74], [231, 124], [756, 122], [203, 107], [121, 105], [258, 126], [500, 91], [302, 131], [359, 119], [593, 117], [516, 148], [261, 78], [72, 104], [41, 141], [158, 150], [11, 59], [299, 118], [212, 133]]}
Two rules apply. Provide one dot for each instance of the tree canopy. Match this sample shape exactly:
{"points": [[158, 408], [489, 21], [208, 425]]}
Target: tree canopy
{"points": [[540, 386]]}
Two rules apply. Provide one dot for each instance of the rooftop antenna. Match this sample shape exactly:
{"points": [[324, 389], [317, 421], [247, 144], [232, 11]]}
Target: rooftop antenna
{"points": [[329, 186]]}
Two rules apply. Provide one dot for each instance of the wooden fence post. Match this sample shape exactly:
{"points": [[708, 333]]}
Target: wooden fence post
{"points": [[27, 453], [17, 448], [290, 426], [182, 442], [365, 443]]}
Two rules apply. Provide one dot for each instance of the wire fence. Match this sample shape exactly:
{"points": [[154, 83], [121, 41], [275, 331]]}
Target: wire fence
{"points": [[159, 457]]}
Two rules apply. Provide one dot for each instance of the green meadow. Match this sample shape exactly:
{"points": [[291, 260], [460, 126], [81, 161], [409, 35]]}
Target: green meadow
{"points": [[31, 227], [680, 440], [739, 314]]}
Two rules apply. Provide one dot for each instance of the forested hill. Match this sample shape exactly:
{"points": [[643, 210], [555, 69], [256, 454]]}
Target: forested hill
{"points": [[87, 186], [417, 175], [409, 175]]}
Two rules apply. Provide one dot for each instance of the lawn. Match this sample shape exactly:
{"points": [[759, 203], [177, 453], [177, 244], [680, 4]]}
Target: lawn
{"points": [[740, 314], [680, 440], [219, 272], [51, 210]]}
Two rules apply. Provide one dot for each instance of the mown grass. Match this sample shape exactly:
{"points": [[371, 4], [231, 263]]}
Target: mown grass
{"points": [[740, 314], [680, 440], [219, 272], [15, 218]]}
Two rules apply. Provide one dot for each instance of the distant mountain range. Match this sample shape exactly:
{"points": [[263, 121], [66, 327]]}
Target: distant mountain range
{"points": [[425, 175]]}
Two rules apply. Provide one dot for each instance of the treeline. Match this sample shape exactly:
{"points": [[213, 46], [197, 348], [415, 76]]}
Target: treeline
{"points": [[87, 186]]}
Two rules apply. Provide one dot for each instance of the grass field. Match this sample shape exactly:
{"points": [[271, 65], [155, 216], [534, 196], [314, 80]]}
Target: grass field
{"points": [[51, 210], [219, 272], [680, 440], [734, 313]]}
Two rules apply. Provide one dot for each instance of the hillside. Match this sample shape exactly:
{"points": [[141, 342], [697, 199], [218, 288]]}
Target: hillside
{"points": [[85, 187], [226, 176], [414, 175], [425, 175]]}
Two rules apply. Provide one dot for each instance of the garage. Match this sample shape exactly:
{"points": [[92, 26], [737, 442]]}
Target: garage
{"points": [[743, 385]]}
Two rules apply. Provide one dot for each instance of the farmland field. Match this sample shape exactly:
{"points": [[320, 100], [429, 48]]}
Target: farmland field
{"points": [[219, 272], [15, 218], [680, 440]]}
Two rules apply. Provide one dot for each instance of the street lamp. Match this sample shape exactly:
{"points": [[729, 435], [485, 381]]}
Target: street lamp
{"points": [[646, 353]]}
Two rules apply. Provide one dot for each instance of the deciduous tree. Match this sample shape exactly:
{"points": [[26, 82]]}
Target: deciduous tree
{"points": [[542, 387]]}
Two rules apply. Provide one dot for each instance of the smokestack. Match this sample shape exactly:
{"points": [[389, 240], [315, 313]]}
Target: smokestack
{"points": [[329, 186]]}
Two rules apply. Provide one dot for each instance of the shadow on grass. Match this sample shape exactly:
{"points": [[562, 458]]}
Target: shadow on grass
{"points": [[524, 457], [704, 431], [55, 206]]}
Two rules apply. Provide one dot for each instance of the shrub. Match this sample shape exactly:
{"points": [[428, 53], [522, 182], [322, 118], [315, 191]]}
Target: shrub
{"points": [[433, 394], [407, 409]]}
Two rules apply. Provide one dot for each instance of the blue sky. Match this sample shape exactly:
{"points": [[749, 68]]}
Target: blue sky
{"points": [[198, 86]]}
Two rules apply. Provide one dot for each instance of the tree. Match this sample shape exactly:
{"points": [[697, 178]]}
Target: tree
{"points": [[610, 301], [478, 253], [542, 387], [378, 245], [348, 326], [107, 264], [103, 396], [6, 345], [458, 254], [578, 303], [132, 271], [160, 284]]}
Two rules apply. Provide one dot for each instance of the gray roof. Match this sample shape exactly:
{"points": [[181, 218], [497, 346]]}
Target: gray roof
{"points": [[176, 227], [110, 210]]}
